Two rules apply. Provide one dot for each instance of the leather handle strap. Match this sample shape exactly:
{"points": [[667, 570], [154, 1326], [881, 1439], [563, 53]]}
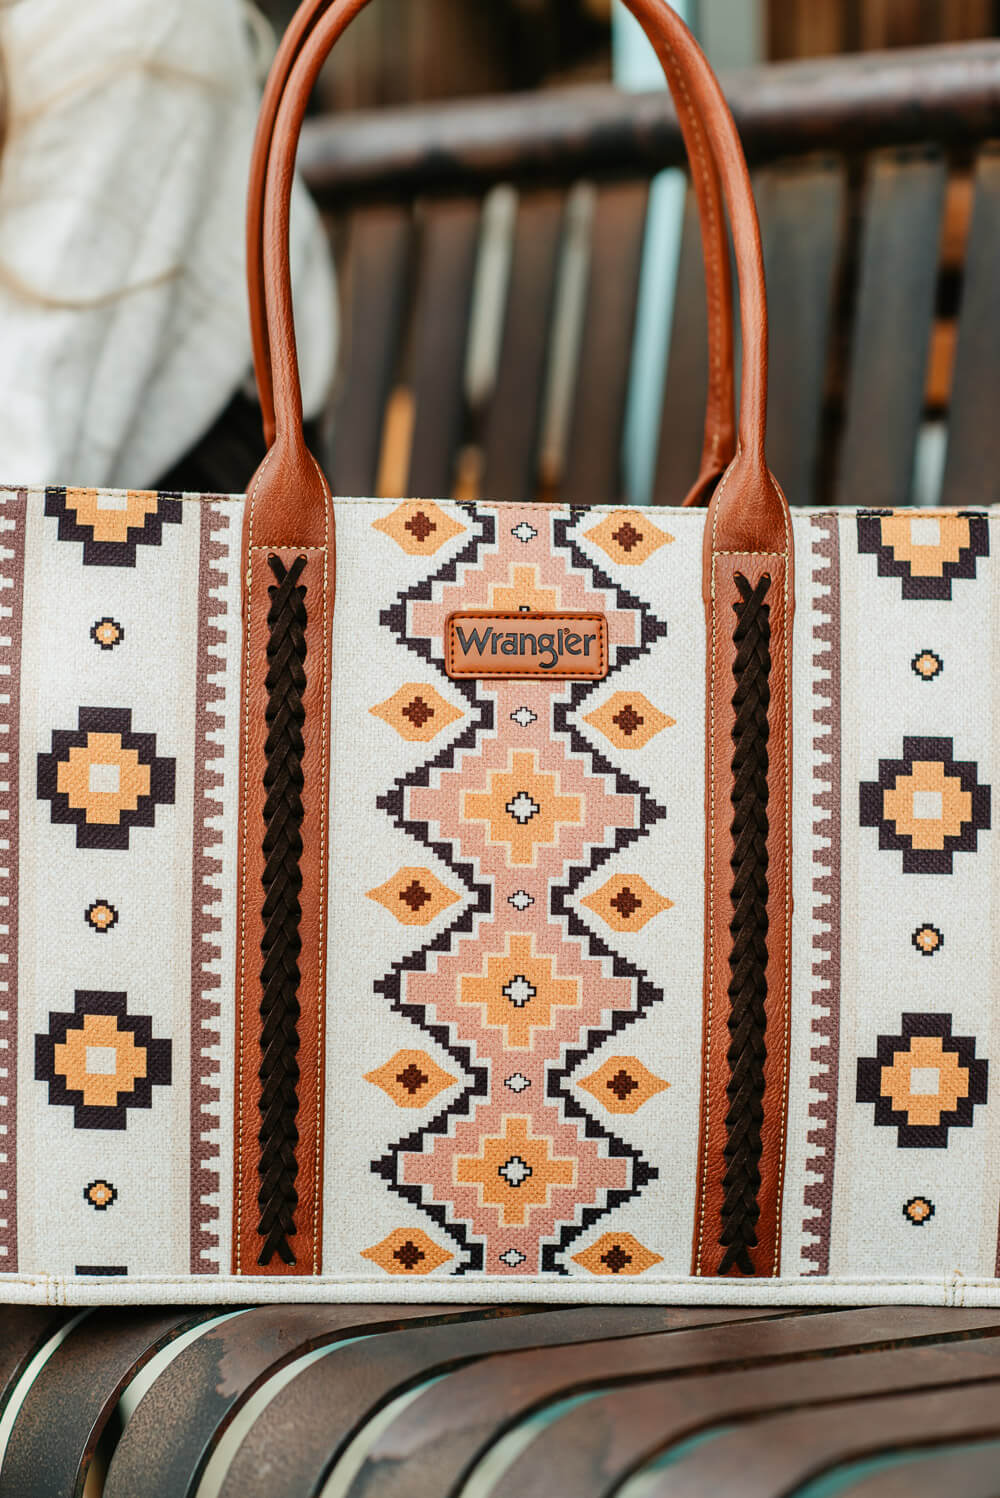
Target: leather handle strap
{"points": [[290, 499], [720, 434]]}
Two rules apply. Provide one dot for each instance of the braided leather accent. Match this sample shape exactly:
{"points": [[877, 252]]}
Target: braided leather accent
{"points": [[282, 881], [748, 927]]}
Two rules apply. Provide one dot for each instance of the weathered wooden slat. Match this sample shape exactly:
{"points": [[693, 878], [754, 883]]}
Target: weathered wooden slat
{"points": [[686, 386], [57, 1428], [900, 252], [316, 1415], [592, 1448], [592, 473], [560, 135], [972, 468], [177, 1423], [449, 241], [777, 1454], [802, 217], [374, 273], [442, 1433], [510, 447]]}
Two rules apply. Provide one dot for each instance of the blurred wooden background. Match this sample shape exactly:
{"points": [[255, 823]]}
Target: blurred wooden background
{"points": [[401, 51]]}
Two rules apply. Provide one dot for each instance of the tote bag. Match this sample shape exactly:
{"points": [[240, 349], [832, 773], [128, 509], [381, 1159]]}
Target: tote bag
{"points": [[477, 902]]}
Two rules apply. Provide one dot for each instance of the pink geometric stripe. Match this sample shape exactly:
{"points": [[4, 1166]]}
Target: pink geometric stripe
{"points": [[518, 990]]}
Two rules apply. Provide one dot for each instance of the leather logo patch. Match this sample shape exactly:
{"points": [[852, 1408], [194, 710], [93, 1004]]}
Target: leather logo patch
{"points": [[483, 643]]}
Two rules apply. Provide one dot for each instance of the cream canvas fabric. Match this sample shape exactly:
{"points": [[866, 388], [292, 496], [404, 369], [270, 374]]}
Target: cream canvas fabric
{"points": [[514, 1001]]}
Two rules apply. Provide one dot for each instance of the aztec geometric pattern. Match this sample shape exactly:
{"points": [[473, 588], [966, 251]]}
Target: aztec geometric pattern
{"points": [[514, 1006], [521, 807]]}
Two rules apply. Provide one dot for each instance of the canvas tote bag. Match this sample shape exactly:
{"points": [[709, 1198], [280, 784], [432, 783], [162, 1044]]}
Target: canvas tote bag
{"points": [[479, 901]]}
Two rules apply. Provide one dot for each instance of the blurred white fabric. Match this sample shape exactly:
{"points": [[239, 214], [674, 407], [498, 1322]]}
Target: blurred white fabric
{"points": [[123, 316]]}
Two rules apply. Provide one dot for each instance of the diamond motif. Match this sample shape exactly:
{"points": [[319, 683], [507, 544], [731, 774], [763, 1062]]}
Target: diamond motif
{"points": [[629, 720], [520, 899], [407, 1251], [925, 551], [110, 524], [513, 1258], [414, 896], [524, 532], [617, 1253], [104, 779], [515, 1171], [412, 1079], [528, 977], [923, 1081], [522, 807], [419, 527], [623, 1084], [517, 1082], [417, 712], [519, 991], [524, 717], [926, 805], [626, 903], [628, 537], [101, 1060]]}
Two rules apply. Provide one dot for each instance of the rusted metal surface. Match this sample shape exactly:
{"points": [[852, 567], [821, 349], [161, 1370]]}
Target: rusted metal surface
{"points": [[786, 1396], [171, 1435], [596, 1445], [67, 1407], [947, 94], [433, 1445], [315, 1416], [23, 1331]]}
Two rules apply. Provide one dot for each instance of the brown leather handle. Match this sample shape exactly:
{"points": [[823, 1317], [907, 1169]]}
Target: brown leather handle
{"points": [[720, 433], [290, 498]]}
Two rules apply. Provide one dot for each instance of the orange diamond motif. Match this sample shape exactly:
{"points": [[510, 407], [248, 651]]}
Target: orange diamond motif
{"points": [[628, 537], [515, 1171], [417, 712], [407, 1251], [522, 808], [412, 1079], [519, 992], [626, 903], [623, 1084], [629, 720], [414, 896], [419, 527], [617, 1253]]}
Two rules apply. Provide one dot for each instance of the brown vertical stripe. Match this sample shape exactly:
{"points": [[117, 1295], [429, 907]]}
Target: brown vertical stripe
{"points": [[826, 750], [13, 516], [708, 1254], [307, 1240], [206, 897]]}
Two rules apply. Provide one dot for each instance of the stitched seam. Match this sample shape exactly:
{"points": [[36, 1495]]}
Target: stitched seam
{"points": [[715, 320], [786, 695], [710, 914], [324, 810]]}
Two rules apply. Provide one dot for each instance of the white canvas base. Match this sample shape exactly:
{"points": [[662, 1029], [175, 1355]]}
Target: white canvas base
{"points": [[948, 1290]]}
